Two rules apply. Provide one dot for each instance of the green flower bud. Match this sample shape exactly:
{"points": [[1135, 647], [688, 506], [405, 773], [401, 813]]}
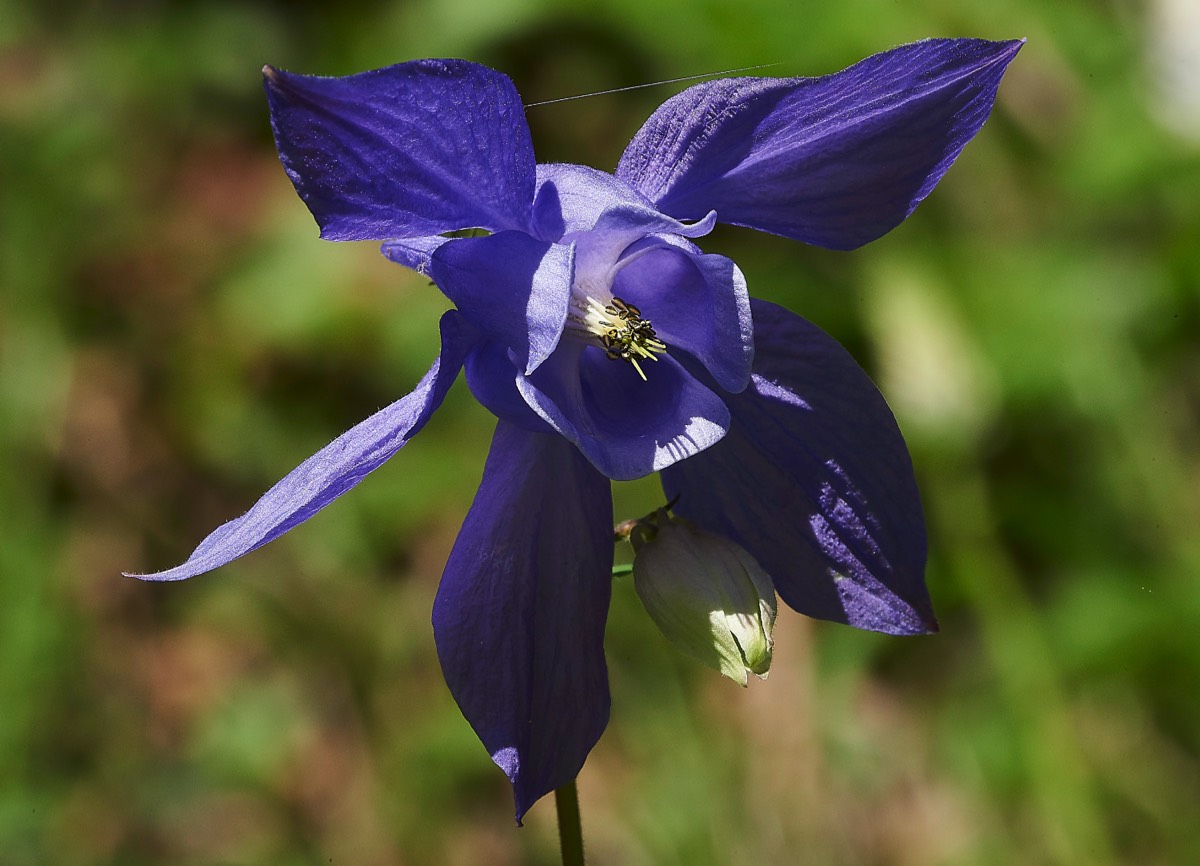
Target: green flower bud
{"points": [[706, 594]]}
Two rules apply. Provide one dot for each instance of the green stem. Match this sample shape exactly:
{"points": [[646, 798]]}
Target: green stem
{"points": [[570, 831], [622, 570]]}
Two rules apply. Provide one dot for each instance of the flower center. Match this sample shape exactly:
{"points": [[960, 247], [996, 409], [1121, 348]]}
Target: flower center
{"points": [[619, 328]]}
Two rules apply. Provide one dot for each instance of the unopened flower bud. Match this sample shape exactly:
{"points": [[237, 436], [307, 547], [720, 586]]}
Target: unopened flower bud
{"points": [[706, 594]]}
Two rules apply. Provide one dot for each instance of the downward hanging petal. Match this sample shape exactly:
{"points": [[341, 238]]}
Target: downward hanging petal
{"points": [[411, 150], [336, 468], [835, 161], [815, 481], [519, 616]]}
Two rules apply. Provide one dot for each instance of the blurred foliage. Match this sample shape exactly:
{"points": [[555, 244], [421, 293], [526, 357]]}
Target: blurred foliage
{"points": [[174, 337]]}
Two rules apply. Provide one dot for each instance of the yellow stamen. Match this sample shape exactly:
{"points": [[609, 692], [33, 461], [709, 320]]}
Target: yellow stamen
{"points": [[620, 329]]}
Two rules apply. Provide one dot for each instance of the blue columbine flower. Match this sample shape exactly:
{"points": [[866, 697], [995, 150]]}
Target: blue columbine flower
{"points": [[609, 346]]}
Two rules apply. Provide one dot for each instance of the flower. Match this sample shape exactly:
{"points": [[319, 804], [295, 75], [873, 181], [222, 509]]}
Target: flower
{"points": [[609, 346]]}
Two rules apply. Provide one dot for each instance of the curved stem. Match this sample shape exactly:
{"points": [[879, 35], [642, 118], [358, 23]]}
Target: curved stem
{"points": [[570, 831]]}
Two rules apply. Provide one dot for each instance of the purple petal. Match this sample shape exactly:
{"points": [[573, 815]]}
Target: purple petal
{"points": [[834, 161], [336, 468], [415, 253], [627, 427], [695, 302], [618, 228], [815, 481], [511, 287], [411, 150], [699, 301], [570, 198], [491, 374], [519, 616]]}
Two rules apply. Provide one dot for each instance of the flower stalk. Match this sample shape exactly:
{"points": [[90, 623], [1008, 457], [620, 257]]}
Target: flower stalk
{"points": [[570, 827]]}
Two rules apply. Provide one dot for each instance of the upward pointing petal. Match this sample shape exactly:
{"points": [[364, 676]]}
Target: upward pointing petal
{"points": [[336, 468], [835, 161], [410, 150]]}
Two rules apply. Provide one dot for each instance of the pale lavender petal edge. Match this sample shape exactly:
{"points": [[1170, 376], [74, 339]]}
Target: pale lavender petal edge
{"points": [[336, 468]]}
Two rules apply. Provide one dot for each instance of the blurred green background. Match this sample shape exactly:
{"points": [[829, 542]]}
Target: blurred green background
{"points": [[174, 337]]}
